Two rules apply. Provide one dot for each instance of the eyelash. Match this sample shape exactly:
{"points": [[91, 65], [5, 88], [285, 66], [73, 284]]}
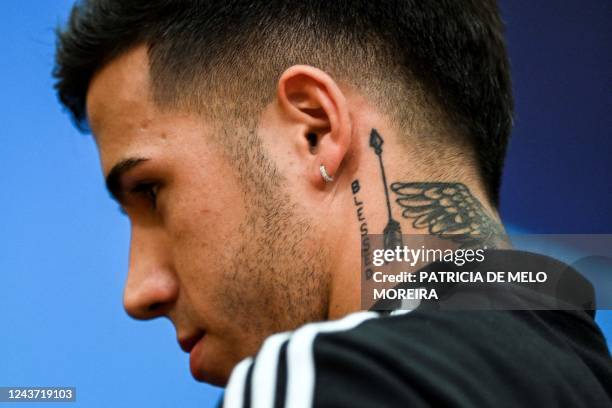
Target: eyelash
{"points": [[149, 191]]}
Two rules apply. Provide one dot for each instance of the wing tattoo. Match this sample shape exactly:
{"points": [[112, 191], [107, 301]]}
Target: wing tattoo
{"points": [[449, 211]]}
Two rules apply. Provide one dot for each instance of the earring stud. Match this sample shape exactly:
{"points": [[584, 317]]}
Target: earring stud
{"points": [[326, 177]]}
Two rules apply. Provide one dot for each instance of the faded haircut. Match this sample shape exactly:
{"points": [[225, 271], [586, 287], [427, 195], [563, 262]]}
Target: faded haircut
{"points": [[439, 61]]}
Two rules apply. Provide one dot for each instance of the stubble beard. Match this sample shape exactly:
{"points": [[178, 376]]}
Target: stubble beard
{"points": [[278, 277]]}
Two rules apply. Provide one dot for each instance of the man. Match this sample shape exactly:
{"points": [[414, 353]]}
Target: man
{"points": [[249, 143]]}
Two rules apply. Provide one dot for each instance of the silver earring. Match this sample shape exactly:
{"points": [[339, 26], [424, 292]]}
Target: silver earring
{"points": [[326, 177]]}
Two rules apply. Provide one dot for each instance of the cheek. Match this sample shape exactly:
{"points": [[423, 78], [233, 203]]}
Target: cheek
{"points": [[204, 211], [204, 234]]}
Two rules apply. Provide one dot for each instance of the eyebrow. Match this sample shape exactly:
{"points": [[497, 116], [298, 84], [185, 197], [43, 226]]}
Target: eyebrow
{"points": [[114, 183]]}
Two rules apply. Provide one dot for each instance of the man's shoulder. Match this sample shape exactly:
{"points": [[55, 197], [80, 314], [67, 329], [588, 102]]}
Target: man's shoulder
{"points": [[421, 358]]}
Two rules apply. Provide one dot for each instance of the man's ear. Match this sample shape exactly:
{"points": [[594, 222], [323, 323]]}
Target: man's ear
{"points": [[311, 98]]}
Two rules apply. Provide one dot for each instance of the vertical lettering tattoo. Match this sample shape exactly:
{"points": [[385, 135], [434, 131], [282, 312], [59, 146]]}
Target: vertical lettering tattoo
{"points": [[449, 211], [392, 234], [363, 228]]}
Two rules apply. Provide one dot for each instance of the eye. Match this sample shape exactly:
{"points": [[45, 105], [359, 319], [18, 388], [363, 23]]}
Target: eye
{"points": [[148, 191]]}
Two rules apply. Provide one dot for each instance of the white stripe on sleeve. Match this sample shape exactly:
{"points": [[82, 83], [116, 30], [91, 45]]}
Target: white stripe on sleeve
{"points": [[300, 358], [263, 381], [234, 393]]}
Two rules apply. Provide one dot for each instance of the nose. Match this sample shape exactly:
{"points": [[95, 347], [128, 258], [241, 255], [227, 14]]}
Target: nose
{"points": [[152, 286]]}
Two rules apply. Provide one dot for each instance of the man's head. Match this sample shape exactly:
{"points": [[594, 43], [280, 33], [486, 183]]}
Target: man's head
{"points": [[212, 119]]}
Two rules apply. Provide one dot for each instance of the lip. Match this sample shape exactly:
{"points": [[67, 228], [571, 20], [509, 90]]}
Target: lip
{"points": [[188, 343], [196, 360]]}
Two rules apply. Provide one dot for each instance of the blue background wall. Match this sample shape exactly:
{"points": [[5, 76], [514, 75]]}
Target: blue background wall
{"points": [[64, 245]]}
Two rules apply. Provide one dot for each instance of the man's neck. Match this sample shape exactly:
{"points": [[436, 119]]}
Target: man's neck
{"points": [[394, 198]]}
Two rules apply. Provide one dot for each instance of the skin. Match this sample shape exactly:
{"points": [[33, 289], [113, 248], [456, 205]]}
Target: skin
{"points": [[237, 250]]}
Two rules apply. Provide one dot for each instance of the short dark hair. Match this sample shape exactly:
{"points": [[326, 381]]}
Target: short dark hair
{"points": [[453, 49]]}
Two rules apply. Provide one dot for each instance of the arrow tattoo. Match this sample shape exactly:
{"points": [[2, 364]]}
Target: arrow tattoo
{"points": [[392, 234]]}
